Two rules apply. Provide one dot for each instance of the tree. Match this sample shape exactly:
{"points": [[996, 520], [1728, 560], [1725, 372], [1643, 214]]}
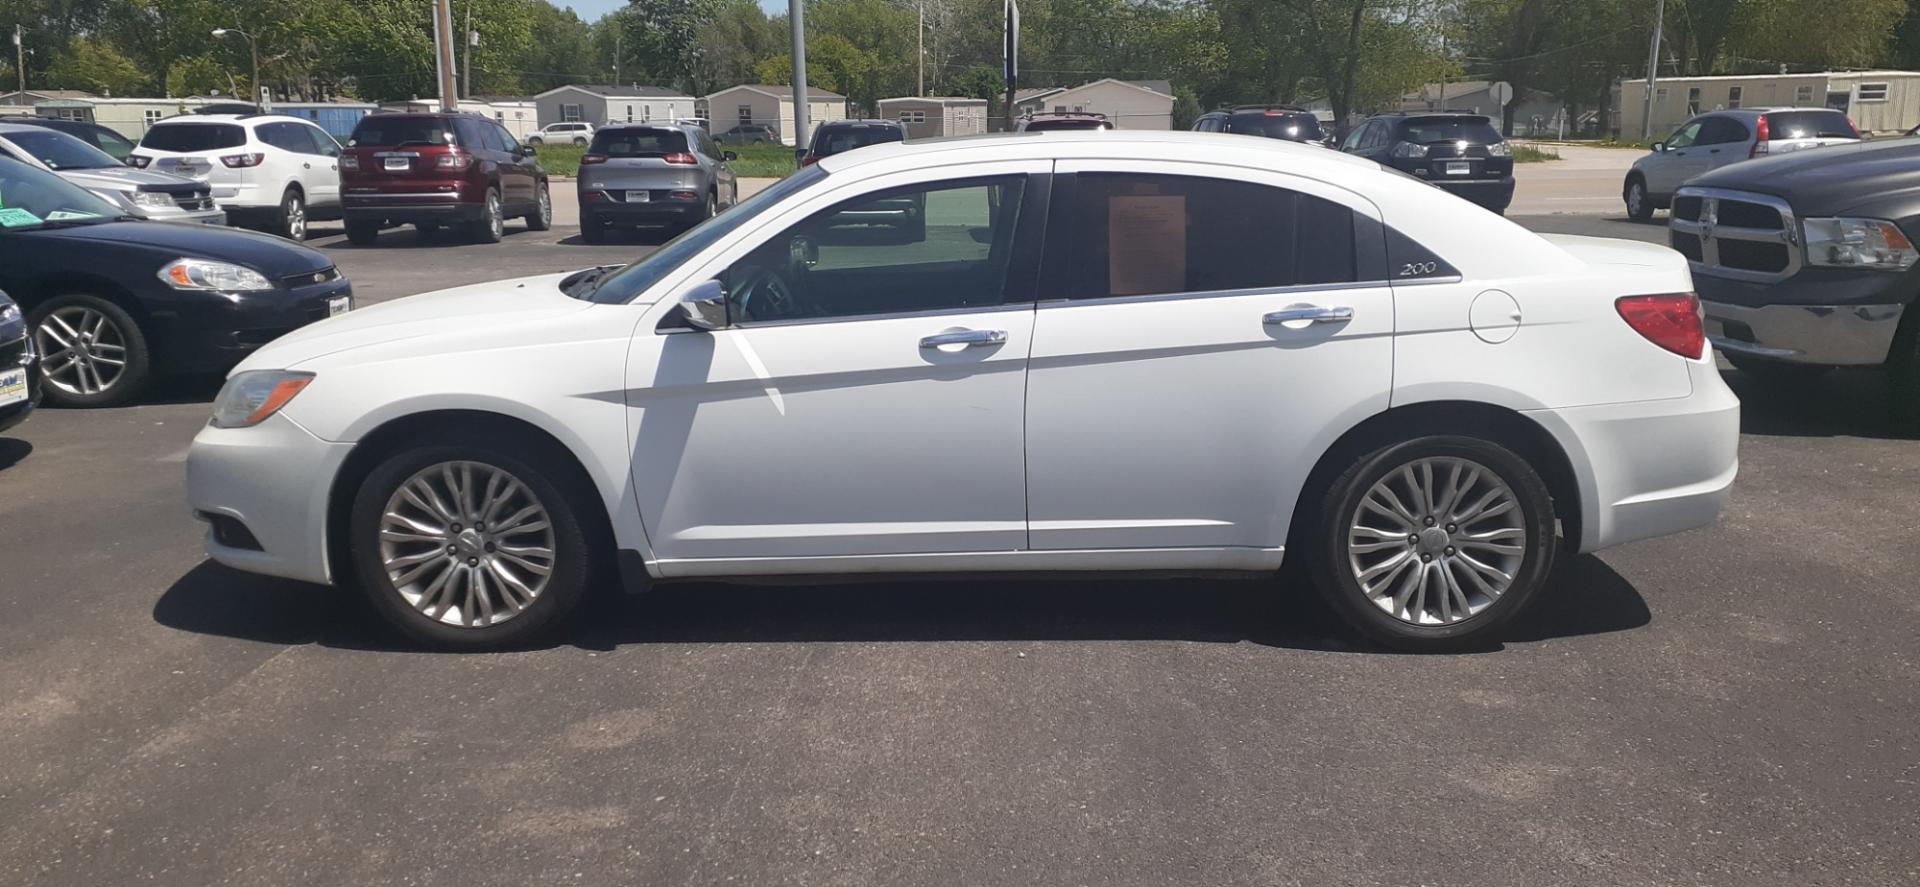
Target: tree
{"points": [[95, 66]]}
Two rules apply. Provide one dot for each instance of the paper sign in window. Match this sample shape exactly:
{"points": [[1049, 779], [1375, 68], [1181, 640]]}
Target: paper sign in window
{"points": [[1146, 244]]}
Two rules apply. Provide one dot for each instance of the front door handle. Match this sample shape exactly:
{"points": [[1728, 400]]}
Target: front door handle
{"points": [[1310, 314], [965, 338]]}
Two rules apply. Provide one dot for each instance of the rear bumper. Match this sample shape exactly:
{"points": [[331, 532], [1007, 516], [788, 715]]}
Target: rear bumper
{"points": [[1490, 193], [1651, 468], [614, 211], [401, 207]]}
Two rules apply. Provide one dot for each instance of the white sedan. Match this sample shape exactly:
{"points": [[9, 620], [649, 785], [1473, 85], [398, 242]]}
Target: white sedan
{"points": [[1056, 353]]}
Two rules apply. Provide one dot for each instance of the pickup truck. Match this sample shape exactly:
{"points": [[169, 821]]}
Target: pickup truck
{"points": [[1806, 261]]}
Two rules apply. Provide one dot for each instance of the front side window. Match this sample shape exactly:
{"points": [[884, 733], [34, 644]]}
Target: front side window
{"points": [[628, 283], [1721, 131], [944, 246], [1130, 234], [113, 143], [1684, 137]]}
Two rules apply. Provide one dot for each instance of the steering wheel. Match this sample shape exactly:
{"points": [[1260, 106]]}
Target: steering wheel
{"points": [[764, 294]]}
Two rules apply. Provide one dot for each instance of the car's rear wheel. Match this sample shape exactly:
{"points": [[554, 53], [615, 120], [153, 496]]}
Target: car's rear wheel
{"points": [[1432, 544], [492, 224], [290, 220], [92, 352], [541, 218], [1639, 203], [469, 547], [363, 233], [580, 141]]}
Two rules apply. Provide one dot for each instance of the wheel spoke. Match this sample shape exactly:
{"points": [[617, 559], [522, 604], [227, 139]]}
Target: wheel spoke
{"points": [[1436, 572], [523, 563], [486, 572]]}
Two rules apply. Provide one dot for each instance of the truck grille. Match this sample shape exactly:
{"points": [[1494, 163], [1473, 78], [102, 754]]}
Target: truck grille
{"points": [[194, 202], [1735, 234]]}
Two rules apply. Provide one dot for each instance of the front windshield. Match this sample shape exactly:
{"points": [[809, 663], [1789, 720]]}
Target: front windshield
{"points": [[622, 286], [31, 197], [60, 151]]}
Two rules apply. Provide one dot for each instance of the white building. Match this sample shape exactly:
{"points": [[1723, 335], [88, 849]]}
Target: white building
{"points": [[1130, 104], [601, 104], [764, 104], [519, 114], [1881, 102]]}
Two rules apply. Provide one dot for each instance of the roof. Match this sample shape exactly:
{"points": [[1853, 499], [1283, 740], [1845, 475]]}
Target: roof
{"points": [[1158, 87], [51, 94], [1033, 92], [614, 90], [1162, 87], [943, 99], [1874, 73], [1460, 88], [781, 91]]}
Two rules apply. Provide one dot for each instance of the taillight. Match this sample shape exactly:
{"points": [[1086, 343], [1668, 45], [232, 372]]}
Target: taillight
{"points": [[591, 159], [683, 195], [1856, 129], [682, 159], [453, 161], [242, 161], [1761, 134], [1670, 321], [138, 162], [348, 161]]}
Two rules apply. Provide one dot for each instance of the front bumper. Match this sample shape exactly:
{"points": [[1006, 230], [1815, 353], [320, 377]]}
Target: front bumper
{"points": [[274, 480], [12, 356], [213, 333], [1825, 335], [1651, 468]]}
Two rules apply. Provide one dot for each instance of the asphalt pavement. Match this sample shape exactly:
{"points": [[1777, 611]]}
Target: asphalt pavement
{"points": [[1730, 706]]}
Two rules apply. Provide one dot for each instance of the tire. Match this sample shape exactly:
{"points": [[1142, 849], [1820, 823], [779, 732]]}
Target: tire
{"points": [[1424, 618], [1639, 202], [541, 219], [580, 142], [536, 140], [87, 378], [592, 231], [455, 617], [363, 233], [491, 225], [290, 220], [1777, 372]]}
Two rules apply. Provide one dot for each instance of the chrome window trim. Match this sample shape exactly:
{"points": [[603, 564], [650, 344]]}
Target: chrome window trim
{"points": [[957, 310], [1058, 302], [1710, 232]]}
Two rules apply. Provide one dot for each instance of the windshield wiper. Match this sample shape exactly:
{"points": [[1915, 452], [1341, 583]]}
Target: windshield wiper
{"points": [[583, 285]]}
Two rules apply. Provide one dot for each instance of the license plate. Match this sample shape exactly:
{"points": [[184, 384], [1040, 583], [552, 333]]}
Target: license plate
{"points": [[338, 305], [13, 387], [639, 196], [1459, 168], [399, 162]]}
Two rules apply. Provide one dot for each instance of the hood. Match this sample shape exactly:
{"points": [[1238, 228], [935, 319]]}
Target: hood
{"points": [[1830, 180], [436, 320], [126, 178], [272, 256]]}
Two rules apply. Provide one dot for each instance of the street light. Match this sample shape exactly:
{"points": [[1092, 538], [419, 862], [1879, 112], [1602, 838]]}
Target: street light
{"points": [[253, 48]]}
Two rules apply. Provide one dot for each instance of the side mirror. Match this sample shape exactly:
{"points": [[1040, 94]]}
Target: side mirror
{"points": [[703, 306], [729, 156], [528, 151], [799, 155], [1659, 147]]}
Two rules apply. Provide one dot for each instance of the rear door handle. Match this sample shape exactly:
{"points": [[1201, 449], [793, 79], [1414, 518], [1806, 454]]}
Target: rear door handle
{"points": [[1310, 314], [968, 338]]}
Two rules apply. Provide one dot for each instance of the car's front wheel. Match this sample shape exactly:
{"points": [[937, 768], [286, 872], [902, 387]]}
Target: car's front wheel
{"points": [[92, 352], [1639, 204], [1432, 544], [469, 547]]}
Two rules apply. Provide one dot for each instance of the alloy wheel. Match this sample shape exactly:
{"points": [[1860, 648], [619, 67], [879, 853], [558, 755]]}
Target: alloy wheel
{"points": [[296, 212], [83, 351], [467, 544], [1636, 197], [1437, 540], [546, 206], [494, 220]]}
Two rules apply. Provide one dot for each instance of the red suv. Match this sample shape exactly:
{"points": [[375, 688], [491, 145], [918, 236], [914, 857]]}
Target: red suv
{"points": [[431, 170]]}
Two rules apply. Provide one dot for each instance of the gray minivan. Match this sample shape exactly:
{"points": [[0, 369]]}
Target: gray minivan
{"points": [[652, 174]]}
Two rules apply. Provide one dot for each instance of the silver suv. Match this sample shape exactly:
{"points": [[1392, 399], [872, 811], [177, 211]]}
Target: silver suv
{"points": [[652, 174], [149, 195], [1717, 138]]}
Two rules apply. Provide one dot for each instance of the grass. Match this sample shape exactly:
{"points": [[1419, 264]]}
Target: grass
{"points": [[759, 161], [1533, 154]]}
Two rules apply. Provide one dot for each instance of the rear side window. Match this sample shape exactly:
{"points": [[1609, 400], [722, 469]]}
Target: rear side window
{"points": [[1721, 131], [834, 140], [1810, 125], [638, 142], [187, 137], [1433, 130], [1276, 125], [1124, 234], [393, 132]]}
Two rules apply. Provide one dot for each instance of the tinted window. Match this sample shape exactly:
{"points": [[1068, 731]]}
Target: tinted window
{"points": [[473, 134], [323, 144], [1684, 137], [923, 248], [1720, 131], [1431, 130], [60, 151], [1809, 125], [1276, 125], [505, 139], [188, 137], [111, 142], [633, 142], [388, 132], [286, 137], [1126, 234], [831, 140]]}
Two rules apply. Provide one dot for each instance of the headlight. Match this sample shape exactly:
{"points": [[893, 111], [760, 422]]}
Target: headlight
{"points": [[200, 274], [1859, 243], [249, 398], [1500, 149], [152, 200]]}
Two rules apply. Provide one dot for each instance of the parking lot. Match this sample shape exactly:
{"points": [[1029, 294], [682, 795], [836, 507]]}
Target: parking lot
{"points": [[1730, 706]]}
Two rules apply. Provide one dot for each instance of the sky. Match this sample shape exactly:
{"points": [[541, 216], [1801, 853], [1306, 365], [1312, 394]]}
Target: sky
{"points": [[593, 9]]}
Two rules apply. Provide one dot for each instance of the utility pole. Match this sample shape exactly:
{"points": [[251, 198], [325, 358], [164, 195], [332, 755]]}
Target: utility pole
{"points": [[443, 60], [796, 16], [920, 48], [1443, 70], [253, 49], [20, 58], [617, 28], [1011, 62], [1653, 67], [466, 55]]}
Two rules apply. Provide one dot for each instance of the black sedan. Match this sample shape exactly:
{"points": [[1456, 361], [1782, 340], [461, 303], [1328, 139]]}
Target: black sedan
{"points": [[113, 302], [19, 375]]}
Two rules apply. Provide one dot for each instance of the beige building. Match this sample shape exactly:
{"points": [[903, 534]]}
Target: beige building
{"points": [[1880, 102], [770, 105], [926, 117], [1130, 104], [520, 115]]}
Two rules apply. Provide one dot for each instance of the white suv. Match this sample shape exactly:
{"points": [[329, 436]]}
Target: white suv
{"points": [[266, 171], [577, 133]]}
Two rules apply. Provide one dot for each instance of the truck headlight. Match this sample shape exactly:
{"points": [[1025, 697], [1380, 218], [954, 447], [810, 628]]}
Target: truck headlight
{"points": [[152, 200], [201, 274], [250, 398], [1859, 243]]}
